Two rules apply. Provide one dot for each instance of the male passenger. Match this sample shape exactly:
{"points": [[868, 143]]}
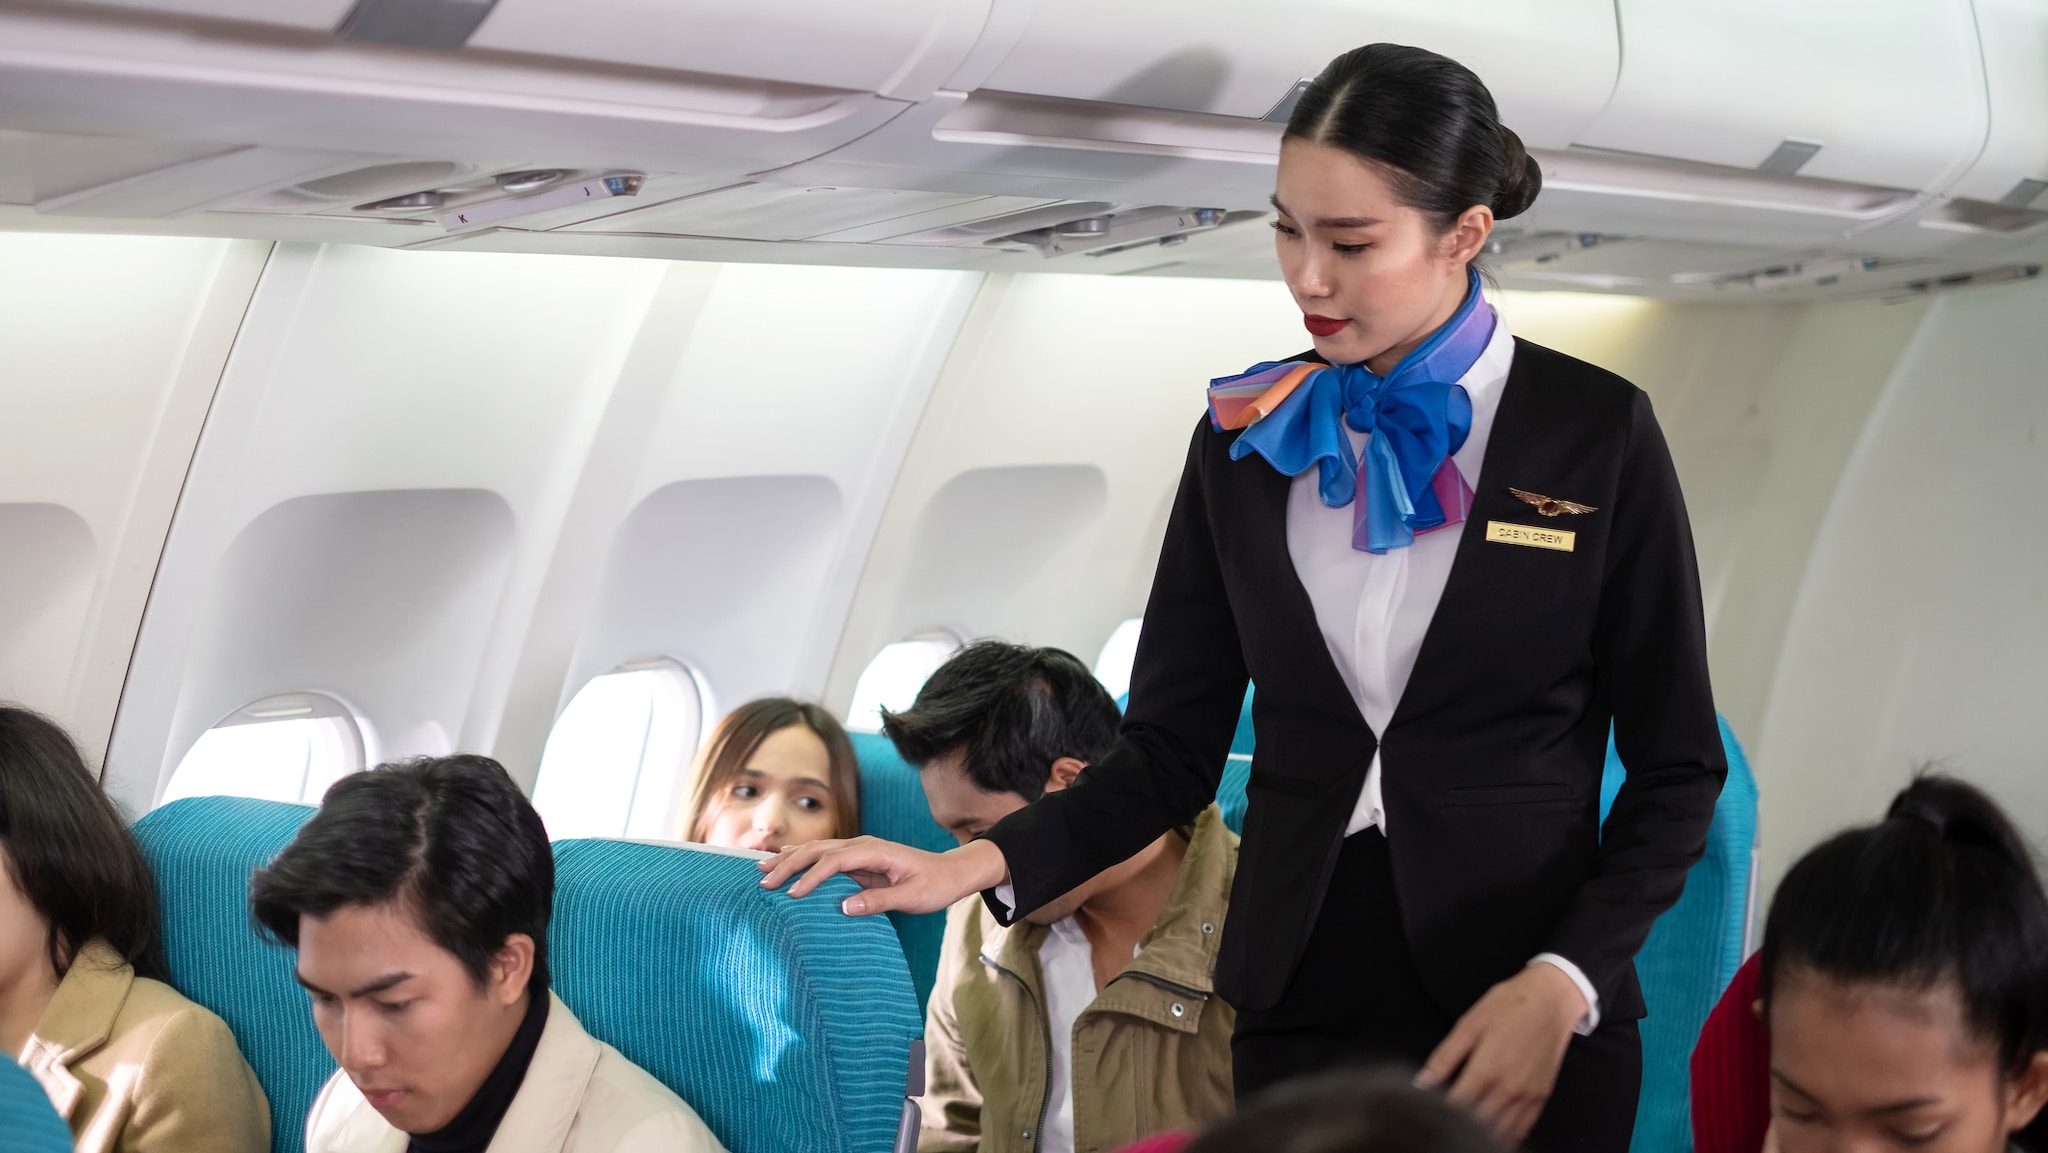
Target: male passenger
{"points": [[1091, 1022], [418, 900]]}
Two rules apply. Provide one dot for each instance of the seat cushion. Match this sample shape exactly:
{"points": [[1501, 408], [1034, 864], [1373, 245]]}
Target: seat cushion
{"points": [[892, 807]]}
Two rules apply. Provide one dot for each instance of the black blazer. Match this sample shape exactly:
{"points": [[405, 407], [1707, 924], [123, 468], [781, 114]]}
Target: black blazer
{"points": [[1491, 763]]}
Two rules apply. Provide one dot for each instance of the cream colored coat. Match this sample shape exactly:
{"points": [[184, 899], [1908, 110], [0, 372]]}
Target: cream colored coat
{"points": [[134, 1067], [580, 1096]]}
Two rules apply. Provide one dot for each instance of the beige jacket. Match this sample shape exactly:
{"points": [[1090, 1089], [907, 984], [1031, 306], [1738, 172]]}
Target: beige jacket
{"points": [[134, 1067], [1150, 1053], [580, 1095]]}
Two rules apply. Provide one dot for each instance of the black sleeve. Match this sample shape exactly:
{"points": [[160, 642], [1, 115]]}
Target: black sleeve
{"points": [[1187, 687], [1650, 642]]}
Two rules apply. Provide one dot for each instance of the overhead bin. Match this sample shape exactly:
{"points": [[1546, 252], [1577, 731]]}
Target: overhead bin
{"points": [[896, 48], [1550, 66], [320, 14], [303, 110], [1164, 102], [2013, 171], [1832, 89]]}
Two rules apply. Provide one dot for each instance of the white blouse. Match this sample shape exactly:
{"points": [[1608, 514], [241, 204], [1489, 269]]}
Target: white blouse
{"points": [[1373, 609]]}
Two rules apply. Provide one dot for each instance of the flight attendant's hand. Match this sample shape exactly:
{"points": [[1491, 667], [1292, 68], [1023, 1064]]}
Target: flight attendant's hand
{"points": [[896, 878], [1505, 1050]]}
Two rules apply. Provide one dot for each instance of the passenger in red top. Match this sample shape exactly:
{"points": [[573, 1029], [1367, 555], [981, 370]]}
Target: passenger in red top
{"points": [[1731, 1070]]}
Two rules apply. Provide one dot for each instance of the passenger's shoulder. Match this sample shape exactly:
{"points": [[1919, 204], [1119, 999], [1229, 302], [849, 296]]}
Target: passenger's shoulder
{"points": [[177, 1028], [625, 1109]]}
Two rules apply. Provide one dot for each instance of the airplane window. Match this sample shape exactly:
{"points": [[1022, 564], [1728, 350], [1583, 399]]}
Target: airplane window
{"points": [[618, 761], [282, 748], [892, 679], [1113, 666]]}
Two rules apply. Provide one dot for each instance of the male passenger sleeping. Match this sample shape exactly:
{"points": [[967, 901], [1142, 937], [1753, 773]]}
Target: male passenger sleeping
{"points": [[418, 900], [1091, 1022]]}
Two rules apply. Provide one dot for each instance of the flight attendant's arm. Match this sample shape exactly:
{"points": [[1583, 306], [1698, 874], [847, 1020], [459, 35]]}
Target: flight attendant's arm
{"points": [[1187, 688], [1651, 645]]}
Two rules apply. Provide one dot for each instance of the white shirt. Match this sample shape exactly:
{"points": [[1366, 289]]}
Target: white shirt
{"points": [[1373, 609], [1066, 968]]}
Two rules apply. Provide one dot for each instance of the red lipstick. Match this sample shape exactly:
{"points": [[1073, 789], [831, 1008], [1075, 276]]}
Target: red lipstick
{"points": [[1323, 325]]}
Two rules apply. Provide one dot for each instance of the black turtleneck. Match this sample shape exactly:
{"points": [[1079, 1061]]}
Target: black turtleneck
{"points": [[472, 1129]]}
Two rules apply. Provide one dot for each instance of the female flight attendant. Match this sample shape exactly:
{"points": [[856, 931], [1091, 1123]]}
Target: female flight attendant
{"points": [[1448, 559]]}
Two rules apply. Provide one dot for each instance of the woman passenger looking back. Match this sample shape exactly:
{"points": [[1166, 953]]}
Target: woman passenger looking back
{"points": [[1905, 985], [128, 1062], [776, 772]]}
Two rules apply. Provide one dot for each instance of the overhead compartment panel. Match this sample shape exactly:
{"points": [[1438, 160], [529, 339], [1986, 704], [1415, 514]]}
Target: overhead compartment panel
{"points": [[2013, 170], [898, 48], [1825, 88], [1550, 66], [321, 14]]}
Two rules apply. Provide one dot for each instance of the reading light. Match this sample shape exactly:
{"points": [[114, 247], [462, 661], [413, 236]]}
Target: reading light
{"points": [[410, 202], [562, 196]]}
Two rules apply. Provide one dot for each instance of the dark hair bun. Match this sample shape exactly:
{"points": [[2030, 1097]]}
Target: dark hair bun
{"points": [[1960, 815], [1521, 177]]}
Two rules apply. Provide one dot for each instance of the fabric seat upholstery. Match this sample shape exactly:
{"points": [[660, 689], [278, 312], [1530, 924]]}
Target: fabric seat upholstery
{"points": [[785, 1023], [203, 850], [892, 807], [1693, 951], [27, 1122]]}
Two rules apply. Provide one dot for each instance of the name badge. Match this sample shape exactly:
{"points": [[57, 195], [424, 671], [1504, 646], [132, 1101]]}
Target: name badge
{"points": [[1500, 532]]}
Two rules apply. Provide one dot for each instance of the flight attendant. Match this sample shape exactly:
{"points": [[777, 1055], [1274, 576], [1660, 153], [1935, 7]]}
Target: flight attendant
{"points": [[1448, 559]]}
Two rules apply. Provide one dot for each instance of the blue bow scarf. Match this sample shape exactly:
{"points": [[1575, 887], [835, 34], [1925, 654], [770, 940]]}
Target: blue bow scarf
{"points": [[1415, 417]]}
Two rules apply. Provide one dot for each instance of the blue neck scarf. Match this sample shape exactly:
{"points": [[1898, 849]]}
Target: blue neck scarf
{"points": [[1416, 417]]}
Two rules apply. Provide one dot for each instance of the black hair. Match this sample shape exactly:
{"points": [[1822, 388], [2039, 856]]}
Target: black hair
{"points": [[1426, 121], [451, 837], [1011, 711], [65, 846], [1943, 890], [1349, 1111]]}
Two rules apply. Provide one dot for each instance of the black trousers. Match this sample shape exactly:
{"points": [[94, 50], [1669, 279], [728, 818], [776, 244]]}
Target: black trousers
{"points": [[1357, 999]]}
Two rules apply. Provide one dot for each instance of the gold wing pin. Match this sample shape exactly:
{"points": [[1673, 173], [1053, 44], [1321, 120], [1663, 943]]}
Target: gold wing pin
{"points": [[1550, 505]]}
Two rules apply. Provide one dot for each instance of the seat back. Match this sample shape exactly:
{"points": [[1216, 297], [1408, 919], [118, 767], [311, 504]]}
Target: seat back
{"points": [[785, 1023], [1693, 951], [892, 807], [203, 850], [27, 1122]]}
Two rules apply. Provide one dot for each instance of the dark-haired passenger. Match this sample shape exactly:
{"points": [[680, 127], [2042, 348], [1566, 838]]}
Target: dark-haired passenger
{"points": [[776, 772], [1905, 985], [1360, 1110], [418, 900], [1092, 1022], [128, 1062]]}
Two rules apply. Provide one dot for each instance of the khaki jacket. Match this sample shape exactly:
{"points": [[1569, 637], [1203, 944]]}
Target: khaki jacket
{"points": [[580, 1095], [134, 1067], [1150, 1053]]}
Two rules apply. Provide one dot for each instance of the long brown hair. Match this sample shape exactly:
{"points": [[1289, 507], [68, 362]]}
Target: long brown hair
{"points": [[733, 743]]}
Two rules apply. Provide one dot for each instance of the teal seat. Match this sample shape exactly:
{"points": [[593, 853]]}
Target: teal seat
{"points": [[1692, 952], [27, 1122], [203, 850], [892, 807], [785, 1023]]}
